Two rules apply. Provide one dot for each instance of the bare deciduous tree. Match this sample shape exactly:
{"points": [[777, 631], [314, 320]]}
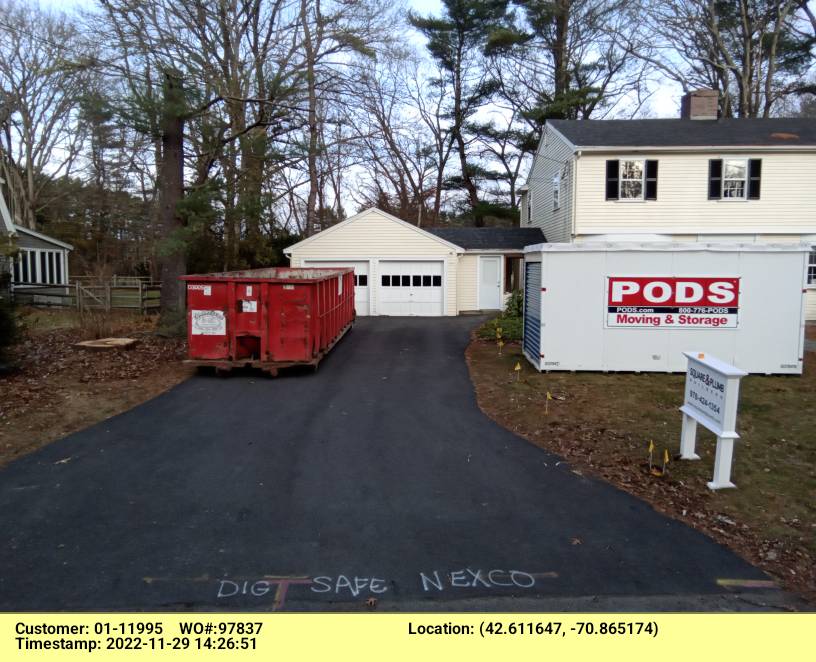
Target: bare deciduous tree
{"points": [[39, 90]]}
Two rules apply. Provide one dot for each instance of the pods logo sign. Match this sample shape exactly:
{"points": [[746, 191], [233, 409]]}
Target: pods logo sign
{"points": [[672, 302]]}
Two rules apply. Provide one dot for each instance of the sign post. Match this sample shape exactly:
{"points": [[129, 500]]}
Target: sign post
{"points": [[711, 397]]}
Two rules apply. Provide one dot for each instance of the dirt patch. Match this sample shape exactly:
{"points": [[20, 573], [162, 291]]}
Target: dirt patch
{"points": [[58, 388], [602, 424]]}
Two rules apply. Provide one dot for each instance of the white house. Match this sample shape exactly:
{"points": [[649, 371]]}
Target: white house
{"points": [[401, 269], [31, 258], [688, 179]]}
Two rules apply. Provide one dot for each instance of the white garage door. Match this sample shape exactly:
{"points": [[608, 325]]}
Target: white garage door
{"points": [[361, 288], [410, 288]]}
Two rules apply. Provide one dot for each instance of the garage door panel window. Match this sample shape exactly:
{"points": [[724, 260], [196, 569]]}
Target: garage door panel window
{"points": [[411, 281], [361, 280]]}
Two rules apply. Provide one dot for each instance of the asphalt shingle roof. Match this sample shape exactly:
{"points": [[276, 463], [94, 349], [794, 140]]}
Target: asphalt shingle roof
{"points": [[490, 238], [688, 133]]}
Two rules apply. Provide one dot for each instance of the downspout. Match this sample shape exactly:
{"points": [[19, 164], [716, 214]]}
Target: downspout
{"points": [[574, 194]]}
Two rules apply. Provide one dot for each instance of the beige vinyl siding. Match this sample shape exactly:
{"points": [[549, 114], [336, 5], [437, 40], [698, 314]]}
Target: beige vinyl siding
{"points": [[788, 197], [810, 305], [374, 236], [466, 278], [554, 157]]}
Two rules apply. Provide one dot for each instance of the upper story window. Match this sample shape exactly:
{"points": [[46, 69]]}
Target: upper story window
{"points": [[811, 272], [734, 179], [631, 179], [734, 171], [556, 192]]}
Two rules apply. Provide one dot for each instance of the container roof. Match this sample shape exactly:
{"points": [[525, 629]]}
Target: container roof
{"points": [[770, 132], [668, 246], [500, 239]]}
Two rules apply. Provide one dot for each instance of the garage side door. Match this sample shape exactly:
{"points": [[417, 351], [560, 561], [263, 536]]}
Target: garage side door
{"points": [[410, 288], [361, 286], [532, 309]]}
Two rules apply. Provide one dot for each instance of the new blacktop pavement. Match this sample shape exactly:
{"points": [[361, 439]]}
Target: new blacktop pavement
{"points": [[375, 477]]}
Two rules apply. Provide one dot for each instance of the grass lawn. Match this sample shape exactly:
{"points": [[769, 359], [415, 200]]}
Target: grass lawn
{"points": [[602, 423]]}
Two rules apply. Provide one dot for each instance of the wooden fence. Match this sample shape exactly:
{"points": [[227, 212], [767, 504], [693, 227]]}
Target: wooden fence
{"points": [[109, 296]]}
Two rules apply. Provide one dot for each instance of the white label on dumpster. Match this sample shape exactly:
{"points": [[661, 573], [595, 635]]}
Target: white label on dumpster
{"points": [[695, 302], [205, 289], [249, 306], [249, 290], [208, 323]]}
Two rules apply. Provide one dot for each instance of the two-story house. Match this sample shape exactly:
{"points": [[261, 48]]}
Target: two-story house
{"points": [[697, 178]]}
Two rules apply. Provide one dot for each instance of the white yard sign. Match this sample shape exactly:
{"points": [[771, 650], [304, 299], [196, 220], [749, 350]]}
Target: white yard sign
{"points": [[712, 395]]}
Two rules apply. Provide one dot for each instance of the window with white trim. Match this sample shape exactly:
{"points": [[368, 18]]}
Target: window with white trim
{"points": [[811, 272], [631, 180], [735, 175], [556, 192]]}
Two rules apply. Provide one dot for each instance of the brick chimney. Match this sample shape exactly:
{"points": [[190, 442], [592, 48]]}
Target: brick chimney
{"points": [[700, 105]]}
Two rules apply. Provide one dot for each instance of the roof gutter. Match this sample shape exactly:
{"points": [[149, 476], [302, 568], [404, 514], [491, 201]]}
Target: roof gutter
{"points": [[699, 148]]}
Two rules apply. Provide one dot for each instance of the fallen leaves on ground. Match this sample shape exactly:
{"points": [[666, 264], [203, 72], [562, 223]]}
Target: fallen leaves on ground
{"points": [[600, 437], [58, 388]]}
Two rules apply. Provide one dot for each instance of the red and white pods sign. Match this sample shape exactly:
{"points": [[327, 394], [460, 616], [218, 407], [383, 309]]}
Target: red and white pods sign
{"points": [[692, 302]]}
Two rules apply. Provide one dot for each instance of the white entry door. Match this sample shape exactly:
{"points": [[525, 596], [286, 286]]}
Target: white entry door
{"points": [[490, 285], [361, 287], [410, 288]]}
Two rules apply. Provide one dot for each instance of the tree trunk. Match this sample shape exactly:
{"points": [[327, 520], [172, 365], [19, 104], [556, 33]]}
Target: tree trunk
{"points": [[313, 128], [253, 153], [458, 132], [173, 260]]}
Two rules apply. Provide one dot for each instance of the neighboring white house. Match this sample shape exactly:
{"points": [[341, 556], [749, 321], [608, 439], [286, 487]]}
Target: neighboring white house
{"points": [[401, 269], [35, 258], [690, 179]]}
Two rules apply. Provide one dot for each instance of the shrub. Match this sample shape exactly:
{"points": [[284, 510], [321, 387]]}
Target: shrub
{"points": [[511, 328], [8, 325], [515, 304]]}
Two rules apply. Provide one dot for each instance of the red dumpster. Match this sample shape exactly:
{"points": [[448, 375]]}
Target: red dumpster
{"points": [[267, 318]]}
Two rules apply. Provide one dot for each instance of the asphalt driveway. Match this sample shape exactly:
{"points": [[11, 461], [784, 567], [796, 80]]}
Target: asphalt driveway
{"points": [[376, 477]]}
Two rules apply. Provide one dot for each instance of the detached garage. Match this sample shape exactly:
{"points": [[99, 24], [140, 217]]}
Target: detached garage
{"points": [[403, 270]]}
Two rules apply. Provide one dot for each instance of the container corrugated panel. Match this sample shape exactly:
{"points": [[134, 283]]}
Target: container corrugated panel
{"points": [[531, 341], [267, 318], [615, 306]]}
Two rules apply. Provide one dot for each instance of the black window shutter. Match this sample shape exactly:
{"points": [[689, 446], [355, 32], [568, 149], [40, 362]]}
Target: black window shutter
{"points": [[612, 168], [754, 176], [715, 179], [651, 180]]}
